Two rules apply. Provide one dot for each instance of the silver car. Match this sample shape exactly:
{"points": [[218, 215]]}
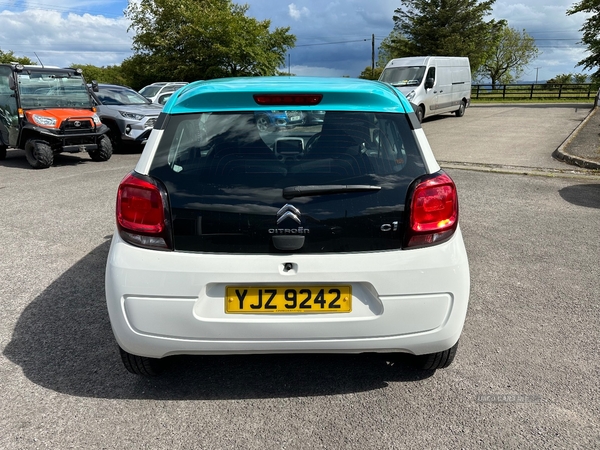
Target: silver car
{"points": [[129, 115]]}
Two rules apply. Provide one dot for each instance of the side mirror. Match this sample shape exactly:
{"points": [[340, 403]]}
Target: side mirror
{"points": [[94, 86], [429, 82], [11, 83]]}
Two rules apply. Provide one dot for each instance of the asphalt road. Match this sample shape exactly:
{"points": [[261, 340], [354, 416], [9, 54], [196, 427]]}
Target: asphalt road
{"points": [[511, 135], [526, 374]]}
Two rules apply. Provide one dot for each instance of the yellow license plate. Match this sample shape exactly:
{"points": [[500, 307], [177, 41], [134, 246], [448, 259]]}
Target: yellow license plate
{"points": [[288, 299]]}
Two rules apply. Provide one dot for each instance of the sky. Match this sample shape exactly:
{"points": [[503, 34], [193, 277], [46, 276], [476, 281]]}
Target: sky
{"points": [[333, 36]]}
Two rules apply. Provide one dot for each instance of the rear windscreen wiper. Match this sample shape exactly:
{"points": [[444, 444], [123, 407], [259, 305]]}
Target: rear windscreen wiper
{"points": [[306, 191]]}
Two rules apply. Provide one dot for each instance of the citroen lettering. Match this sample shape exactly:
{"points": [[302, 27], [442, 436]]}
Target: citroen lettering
{"points": [[299, 230]]}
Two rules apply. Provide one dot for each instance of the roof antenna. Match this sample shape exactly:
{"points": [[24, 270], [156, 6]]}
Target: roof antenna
{"points": [[39, 59]]}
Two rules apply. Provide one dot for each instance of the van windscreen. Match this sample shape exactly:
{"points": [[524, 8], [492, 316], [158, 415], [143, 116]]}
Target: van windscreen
{"points": [[403, 76]]}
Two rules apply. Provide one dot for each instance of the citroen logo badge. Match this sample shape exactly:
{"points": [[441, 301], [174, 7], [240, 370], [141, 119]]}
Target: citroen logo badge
{"points": [[288, 212]]}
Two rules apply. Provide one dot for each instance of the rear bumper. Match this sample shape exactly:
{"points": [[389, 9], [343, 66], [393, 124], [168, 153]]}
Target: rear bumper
{"points": [[163, 303]]}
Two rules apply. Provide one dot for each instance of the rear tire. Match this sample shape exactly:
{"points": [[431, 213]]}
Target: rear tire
{"points": [[104, 150], [141, 365], [434, 361], [461, 109], [2, 152], [39, 154]]}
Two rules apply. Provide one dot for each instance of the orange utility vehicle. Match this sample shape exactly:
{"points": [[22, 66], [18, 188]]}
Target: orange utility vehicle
{"points": [[48, 110]]}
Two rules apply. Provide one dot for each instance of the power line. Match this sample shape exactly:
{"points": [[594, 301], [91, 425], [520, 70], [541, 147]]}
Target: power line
{"points": [[332, 43]]}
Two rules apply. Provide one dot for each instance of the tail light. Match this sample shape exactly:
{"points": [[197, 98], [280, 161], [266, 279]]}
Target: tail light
{"points": [[433, 212], [142, 213]]}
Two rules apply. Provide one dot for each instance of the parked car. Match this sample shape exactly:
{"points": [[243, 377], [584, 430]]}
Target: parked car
{"points": [[342, 237], [129, 115], [153, 91], [274, 120]]}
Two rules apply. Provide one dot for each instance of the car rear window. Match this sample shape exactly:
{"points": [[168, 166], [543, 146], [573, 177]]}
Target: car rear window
{"points": [[150, 91], [342, 177]]}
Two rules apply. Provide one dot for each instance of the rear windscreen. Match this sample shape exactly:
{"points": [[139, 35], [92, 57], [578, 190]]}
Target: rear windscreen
{"points": [[293, 181]]}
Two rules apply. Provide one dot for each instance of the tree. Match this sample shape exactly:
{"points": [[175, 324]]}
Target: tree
{"points": [[108, 74], [370, 74], [563, 78], [512, 52], [187, 40], [139, 71], [9, 57], [591, 33], [580, 78], [391, 47], [445, 28]]}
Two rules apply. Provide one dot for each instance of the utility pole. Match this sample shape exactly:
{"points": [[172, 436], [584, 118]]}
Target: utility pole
{"points": [[372, 55], [536, 74], [289, 65]]}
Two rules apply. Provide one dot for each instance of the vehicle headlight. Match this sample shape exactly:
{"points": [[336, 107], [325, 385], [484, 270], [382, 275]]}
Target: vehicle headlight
{"points": [[410, 95], [129, 115], [97, 120], [44, 121]]}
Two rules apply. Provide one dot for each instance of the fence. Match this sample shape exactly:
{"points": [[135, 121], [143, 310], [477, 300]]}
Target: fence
{"points": [[534, 91]]}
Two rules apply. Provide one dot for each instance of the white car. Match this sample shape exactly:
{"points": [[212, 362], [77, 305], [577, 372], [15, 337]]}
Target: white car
{"points": [[155, 92], [339, 237]]}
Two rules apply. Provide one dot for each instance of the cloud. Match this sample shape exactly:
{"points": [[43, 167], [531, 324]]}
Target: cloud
{"points": [[66, 38], [296, 13], [557, 35], [316, 71], [333, 36]]}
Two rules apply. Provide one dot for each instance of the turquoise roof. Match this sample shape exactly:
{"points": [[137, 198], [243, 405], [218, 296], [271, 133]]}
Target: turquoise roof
{"points": [[236, 94]]}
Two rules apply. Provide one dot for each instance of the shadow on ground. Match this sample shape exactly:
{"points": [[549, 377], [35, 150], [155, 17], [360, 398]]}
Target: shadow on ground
{"points": [[63, 342], [587, 195], [16, 159]]}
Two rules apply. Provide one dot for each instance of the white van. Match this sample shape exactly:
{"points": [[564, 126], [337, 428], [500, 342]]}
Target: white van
{"points": [[433, 84]]}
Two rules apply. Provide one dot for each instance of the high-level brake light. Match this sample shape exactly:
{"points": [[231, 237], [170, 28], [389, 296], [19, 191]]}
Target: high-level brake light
{"points": [[288, 99]]}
